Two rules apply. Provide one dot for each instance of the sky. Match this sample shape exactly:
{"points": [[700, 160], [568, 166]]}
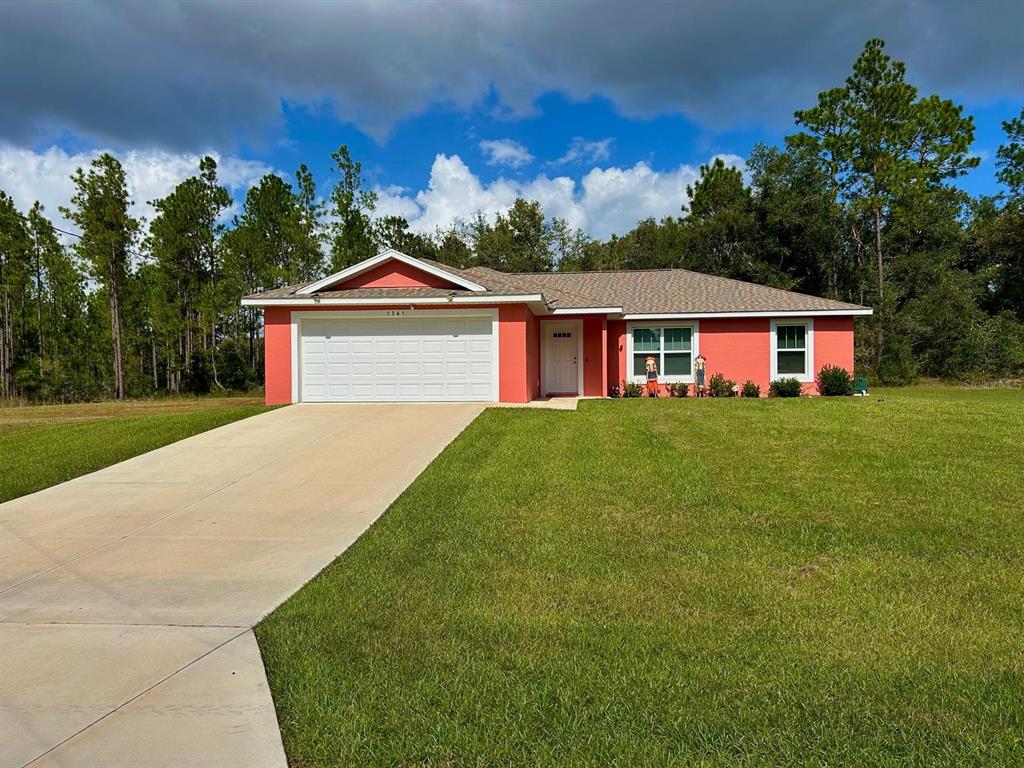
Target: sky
{"points": [[602, 111]]}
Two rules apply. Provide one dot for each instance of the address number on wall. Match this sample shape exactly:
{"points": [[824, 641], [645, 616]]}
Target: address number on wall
{"points": [[395, 312]]}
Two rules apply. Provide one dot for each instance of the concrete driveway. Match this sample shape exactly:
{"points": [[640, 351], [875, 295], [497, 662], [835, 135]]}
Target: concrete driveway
{"points": [[127, 596]]}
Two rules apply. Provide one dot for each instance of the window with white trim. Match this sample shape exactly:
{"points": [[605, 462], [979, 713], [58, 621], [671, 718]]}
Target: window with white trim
{"points": [[792, 349], [672, 346]]}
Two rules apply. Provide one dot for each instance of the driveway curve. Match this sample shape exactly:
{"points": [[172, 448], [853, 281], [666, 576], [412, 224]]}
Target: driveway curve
{"points": [[127, 596]]}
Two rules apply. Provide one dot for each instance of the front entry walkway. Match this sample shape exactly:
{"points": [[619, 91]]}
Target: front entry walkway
{"points": [[127, 596]]}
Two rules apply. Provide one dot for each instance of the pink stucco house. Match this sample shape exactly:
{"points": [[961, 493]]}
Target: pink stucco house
{"points": [[396, 328]]}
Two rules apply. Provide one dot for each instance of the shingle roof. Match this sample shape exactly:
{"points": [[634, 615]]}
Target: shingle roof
{"points": [[671, 290], [659, 291]]}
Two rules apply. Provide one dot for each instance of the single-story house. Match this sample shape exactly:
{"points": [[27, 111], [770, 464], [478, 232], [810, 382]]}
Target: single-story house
{"points": [[394, 327]]}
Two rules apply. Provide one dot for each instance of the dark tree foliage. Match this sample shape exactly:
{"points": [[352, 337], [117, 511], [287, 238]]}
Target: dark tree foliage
{"points": [[859, 205]]}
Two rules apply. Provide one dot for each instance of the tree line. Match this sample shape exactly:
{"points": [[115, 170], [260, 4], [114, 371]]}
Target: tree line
{"points": [[858, 204]]}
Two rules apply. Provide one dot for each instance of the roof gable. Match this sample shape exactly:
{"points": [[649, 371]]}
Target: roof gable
{"points": [[391, 269]]}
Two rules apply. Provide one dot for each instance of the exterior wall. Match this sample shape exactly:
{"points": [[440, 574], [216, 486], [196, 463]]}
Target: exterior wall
{"points": [[394, 274], [518, 378], [514, 364], [739, 348], [616, 353], [593, 355], [277, 355], [532, 354], [833, 345]]}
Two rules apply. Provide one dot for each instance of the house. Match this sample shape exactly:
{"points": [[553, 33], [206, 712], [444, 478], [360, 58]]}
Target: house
{"points": [[395, 327]]}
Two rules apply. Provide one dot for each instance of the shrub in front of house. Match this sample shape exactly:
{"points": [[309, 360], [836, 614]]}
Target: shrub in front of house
{"points": [[679, 390], [833, 381], [631, 389], [613, 391], [784, 388], [719, 386], [750, 389]]}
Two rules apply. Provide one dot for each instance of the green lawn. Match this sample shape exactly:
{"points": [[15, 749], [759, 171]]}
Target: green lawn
{"points": [[44, 445], [655, 583]]}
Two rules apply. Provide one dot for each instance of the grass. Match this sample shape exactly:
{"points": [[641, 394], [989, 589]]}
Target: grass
{"points": [[679, 583], [44, 445]]}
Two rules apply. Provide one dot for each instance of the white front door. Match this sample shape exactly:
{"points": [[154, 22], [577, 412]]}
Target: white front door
{"points": [[561, 358]]}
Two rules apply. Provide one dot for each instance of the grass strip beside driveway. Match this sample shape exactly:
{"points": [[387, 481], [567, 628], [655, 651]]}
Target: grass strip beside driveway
{"points": [[679, 582], [72, 440]]}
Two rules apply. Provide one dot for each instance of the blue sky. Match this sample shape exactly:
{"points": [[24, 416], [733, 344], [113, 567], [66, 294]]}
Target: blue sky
{"points": [[664, 142], [600, 110]]}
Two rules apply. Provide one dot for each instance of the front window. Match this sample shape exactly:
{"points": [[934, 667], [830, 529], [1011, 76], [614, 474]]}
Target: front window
{"points": [[791, 350], [670, 346]]}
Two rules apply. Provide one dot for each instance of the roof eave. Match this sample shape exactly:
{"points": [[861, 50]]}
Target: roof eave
{"points": [[310, 301], [843, 312]]}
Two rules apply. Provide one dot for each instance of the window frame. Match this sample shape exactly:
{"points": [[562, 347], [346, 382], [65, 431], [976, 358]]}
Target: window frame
{"points": [[807, 376], [694, 328]]}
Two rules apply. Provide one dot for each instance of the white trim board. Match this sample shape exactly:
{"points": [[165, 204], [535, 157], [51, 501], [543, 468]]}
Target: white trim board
{"points": [[380, 258], [710, 315], [308, 301], [587, 311], [298, 316]]}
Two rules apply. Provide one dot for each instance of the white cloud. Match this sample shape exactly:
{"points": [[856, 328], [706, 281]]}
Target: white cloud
{"points": [[505, 152], [582, 151], [45, 176], [605, 201]]}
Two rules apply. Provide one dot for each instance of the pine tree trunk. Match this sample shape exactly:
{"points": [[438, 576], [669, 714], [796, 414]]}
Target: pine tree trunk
{"points": [[39, 308], [878, 253], [213, 354], [6, 346], [881, 288], [115, 330]]}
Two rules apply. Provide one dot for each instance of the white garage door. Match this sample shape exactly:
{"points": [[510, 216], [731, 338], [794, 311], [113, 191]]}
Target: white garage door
{"points": [[397, 359]]}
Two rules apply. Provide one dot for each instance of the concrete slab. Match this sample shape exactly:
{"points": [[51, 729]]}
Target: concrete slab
{"points": [[167, 580], [214, 713], [93, 507], [58, 680], [207, 534], [550, 403], [25, 557]]}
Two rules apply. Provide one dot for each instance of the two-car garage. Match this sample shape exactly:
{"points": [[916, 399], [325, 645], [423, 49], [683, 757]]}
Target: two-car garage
{"points": [[429, 355]]}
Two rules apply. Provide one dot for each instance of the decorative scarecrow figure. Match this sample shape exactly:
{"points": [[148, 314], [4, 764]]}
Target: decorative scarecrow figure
{"points": [[699, 366], [651, 365]]}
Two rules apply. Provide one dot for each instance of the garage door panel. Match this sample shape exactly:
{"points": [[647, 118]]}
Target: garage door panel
{"points": [[409, 358], [408, 368]]}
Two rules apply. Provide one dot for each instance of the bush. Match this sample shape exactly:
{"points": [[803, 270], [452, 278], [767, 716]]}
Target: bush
{"points": [[750, 389], [719, 386], [631, 389], [678, 390], [833, 381], [784, 388], [613, 391]]}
